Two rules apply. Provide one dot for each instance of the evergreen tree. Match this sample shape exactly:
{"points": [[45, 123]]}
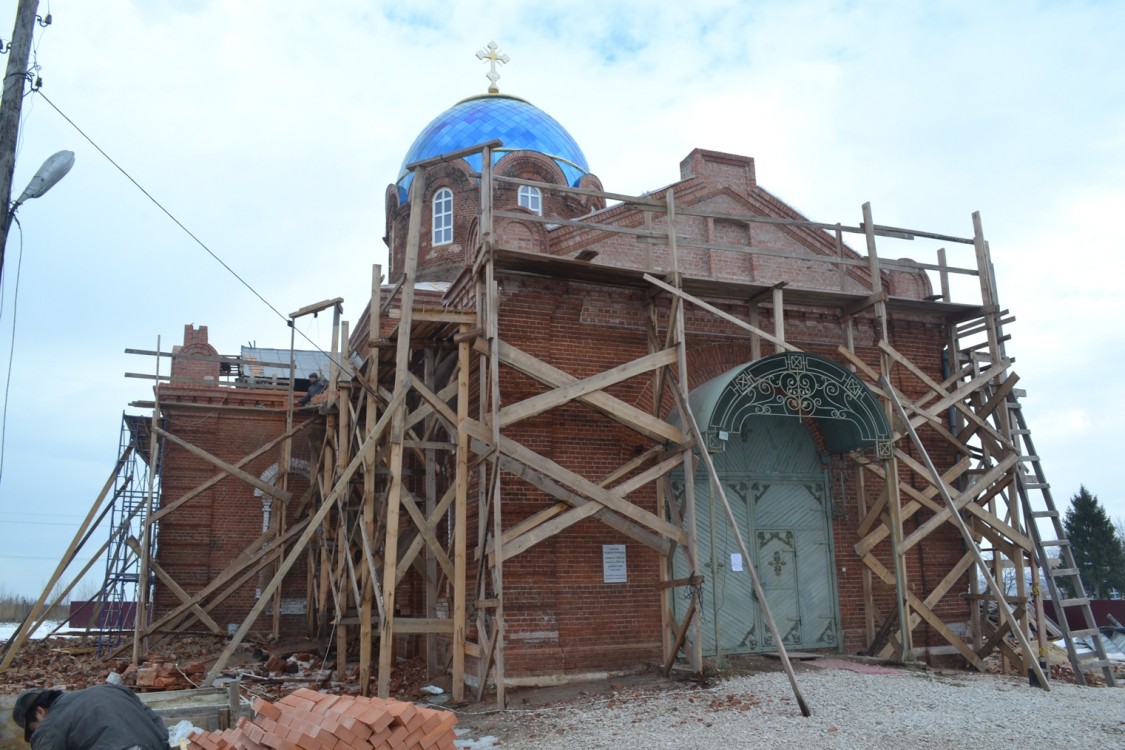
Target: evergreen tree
{"points": [[1098, 552]]}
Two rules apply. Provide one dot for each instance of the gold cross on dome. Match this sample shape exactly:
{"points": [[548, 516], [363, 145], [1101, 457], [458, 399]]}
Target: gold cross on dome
{"points": [[489, 53]]}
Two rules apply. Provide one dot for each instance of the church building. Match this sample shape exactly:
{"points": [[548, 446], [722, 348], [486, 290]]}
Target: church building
{"points": [[577, 433]]}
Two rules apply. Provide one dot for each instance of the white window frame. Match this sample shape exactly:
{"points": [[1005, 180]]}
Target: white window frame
{"points": [[531, 198], [442, 223]]}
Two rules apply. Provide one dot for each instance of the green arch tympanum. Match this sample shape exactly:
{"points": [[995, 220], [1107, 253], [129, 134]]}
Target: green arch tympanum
{"points": [[794, 384]]}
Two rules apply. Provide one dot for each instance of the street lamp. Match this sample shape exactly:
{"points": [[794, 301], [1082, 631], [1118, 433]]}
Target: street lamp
{"points": [[51, 172]]}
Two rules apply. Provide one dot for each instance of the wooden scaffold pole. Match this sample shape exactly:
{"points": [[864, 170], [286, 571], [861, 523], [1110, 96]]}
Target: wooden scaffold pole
{"points": [[460, 512], [398, 419], [38, 612], [492, 337], [693, 621], [285, 459], [887, 455], [146, 521], [370, 577], [982, 565], [338, 491]]}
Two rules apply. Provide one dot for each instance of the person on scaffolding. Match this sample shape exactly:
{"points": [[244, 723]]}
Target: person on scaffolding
{"points": [[103, 717], [316, 385]]}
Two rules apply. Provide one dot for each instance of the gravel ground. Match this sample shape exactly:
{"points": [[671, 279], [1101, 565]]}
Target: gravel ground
{"points": [[849, 710]]}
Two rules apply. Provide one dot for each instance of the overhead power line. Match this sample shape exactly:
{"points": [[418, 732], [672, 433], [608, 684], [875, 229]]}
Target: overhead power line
{"points": [[181, 225]]}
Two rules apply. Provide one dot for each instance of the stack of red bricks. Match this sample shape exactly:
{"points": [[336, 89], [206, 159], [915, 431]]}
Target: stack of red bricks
{"points": [[308, 720]]}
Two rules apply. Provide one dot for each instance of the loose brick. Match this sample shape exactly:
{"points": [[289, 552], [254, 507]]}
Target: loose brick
{"points": [[326, 703], [358, 729], [396, 737], [265, 708], [295, 701], [402, 711], [379, 720], [444, 731]]}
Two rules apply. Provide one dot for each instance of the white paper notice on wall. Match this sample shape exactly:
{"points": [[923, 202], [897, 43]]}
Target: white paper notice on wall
{"points": [[736, 561], [613, 563]]}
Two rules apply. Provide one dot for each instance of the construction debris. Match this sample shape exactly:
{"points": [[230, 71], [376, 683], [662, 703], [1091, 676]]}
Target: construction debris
{"points": [[308, 720]]}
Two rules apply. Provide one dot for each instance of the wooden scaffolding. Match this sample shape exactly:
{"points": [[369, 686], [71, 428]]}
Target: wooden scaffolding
{"points": [[428, 395], [418, 450]]}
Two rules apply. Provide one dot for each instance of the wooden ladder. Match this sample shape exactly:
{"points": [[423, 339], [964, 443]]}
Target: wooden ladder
{"points": [[1030, 478]]}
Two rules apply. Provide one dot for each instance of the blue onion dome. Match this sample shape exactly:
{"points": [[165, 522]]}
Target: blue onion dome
{"points": [[518, 124]]}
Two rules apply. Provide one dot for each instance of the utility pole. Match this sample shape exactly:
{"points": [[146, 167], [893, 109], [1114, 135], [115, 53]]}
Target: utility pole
{"points": [[10, 105]]}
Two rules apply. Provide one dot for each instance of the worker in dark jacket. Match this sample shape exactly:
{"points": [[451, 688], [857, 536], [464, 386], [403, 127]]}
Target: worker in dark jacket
{"points": [[316, 385], [104, 717]]}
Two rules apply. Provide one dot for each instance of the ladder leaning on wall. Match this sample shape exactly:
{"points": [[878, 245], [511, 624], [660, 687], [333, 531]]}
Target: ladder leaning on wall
{"points": [[1034, 492], [1030, 478]]}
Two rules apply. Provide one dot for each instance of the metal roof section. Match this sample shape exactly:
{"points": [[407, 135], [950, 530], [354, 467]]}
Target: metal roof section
{"points": [[268, 364], [426, 286]]}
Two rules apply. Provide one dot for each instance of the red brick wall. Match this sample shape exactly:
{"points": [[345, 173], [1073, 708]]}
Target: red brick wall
{"points": [[197, 541], [444, 262], [195, 360], [560, 615]]}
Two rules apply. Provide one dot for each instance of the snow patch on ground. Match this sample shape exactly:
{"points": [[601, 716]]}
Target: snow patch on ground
{"points": [[7, 629]]}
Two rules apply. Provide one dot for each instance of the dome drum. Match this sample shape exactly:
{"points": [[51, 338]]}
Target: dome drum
{"points": [[535, 147]]}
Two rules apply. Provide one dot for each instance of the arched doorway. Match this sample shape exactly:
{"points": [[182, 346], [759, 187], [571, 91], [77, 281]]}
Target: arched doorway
{"points": [[756, 420]]}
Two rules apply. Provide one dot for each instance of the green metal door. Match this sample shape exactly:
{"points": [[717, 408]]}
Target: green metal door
{"points": [[754, 420], [773, 478], [777, 568]]}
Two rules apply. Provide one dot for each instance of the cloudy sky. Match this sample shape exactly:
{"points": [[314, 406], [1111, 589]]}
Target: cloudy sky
{"points": [[271, 131]]}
